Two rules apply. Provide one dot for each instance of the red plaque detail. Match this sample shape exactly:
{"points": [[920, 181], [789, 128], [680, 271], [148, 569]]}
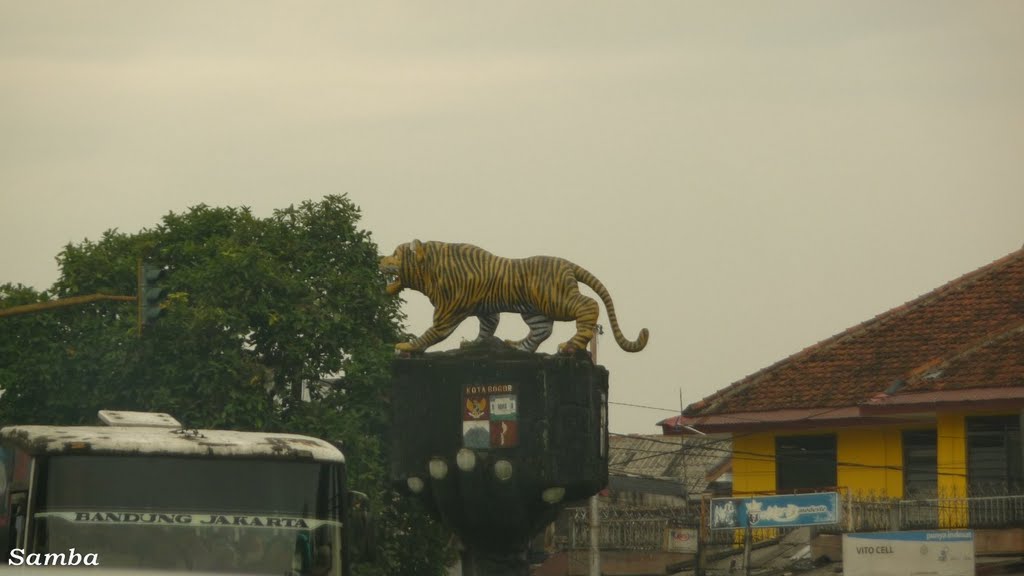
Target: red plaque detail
{"points": [[504, 433]]}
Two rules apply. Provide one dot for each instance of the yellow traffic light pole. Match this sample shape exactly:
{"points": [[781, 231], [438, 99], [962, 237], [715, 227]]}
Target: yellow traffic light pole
{"points": [[78, 300], [62, 303]]}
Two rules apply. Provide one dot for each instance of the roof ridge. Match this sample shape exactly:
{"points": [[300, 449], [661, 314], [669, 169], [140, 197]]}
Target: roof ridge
{"points": [[940, 364], [856, 330]]}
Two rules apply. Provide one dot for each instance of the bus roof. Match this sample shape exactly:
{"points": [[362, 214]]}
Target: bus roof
{"points": [[164, 441]]}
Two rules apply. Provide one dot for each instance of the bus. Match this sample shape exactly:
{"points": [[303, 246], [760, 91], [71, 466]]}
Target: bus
{"points": [[141, 492]]}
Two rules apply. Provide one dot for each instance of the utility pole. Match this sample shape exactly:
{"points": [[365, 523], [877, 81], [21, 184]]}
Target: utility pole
{"points": [[701, 565], [682, 451], [595, 513], [748, 542]]}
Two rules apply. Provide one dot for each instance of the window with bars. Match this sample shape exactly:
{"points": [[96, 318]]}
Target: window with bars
{"points": [[920, 464], [805, 462], [994, 455]]}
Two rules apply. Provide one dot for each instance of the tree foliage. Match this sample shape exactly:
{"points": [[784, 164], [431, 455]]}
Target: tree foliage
{"points": [[274, 324]]}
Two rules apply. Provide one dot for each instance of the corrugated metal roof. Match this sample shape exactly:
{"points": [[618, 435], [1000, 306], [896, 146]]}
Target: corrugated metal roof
{"points": [[684, 461]]}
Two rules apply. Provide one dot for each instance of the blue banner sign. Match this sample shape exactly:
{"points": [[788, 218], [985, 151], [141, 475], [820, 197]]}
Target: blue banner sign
{"points": [[775, 511]]}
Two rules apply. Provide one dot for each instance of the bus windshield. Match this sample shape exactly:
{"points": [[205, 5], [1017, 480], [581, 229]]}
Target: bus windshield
{"points": [[191, 514]]}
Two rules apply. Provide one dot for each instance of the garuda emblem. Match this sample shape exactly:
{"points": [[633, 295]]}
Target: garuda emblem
{"points": [[476, 407]]}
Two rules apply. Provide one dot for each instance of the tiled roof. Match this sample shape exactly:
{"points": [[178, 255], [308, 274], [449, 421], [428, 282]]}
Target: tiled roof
{"points": [[972, 398], [968, 329], [997, 361], [686, 461]]}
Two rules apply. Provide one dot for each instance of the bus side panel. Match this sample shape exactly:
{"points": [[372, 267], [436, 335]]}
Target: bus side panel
{"points": [[15, 465]]}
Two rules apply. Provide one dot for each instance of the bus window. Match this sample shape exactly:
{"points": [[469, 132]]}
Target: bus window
{"points": [[199, 514]]}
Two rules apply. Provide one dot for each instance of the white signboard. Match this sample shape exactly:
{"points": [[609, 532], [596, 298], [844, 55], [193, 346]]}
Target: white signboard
{"points": [[932, 552], [504, 405], [681, 540]]}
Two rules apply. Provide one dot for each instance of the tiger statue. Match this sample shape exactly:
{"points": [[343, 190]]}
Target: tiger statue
{"points": [[462, 280]]}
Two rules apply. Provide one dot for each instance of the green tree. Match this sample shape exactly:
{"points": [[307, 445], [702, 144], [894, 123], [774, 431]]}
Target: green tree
{"points": [[276, 324]]}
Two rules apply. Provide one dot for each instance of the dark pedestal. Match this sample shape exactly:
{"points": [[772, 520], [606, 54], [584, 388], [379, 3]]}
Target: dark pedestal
{"points": [[494, 441]]}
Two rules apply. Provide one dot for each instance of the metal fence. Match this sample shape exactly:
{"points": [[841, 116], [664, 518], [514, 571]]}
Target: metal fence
{"points": [[630, 528], [644, 528], [992, 508], [647, 530]]}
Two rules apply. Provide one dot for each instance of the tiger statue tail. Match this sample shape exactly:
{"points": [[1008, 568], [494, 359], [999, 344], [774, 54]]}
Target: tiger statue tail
{"points": [[590, 280]]}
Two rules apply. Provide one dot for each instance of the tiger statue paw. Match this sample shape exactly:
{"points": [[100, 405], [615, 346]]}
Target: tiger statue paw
{"points": [[517, 345], [404, 347], [566, 349]]}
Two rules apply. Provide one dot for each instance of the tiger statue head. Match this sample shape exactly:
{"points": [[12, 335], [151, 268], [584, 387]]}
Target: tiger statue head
{"points": [[404, 267]]}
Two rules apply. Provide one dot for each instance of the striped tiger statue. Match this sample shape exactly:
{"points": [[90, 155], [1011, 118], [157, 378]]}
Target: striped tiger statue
{"points": [[462, 280]]}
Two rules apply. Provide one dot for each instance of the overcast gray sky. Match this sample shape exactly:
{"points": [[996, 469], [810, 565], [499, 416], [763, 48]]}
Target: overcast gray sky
{"points": [[746, 178]]}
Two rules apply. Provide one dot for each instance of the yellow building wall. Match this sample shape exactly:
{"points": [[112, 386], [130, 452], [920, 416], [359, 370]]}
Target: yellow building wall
{"points": [[952, 453], [952, 467], [753, 472], [870, 460], [753, 464]]}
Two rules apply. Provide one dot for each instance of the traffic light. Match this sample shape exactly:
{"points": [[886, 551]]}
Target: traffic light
{"points": [[151, 295]]}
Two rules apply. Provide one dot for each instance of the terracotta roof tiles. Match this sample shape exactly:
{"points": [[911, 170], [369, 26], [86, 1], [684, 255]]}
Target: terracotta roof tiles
{"points": [[970, 326], [997, 361]]}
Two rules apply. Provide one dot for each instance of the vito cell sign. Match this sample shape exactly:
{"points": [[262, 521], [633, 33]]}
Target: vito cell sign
{"points": [[912, 553]]}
